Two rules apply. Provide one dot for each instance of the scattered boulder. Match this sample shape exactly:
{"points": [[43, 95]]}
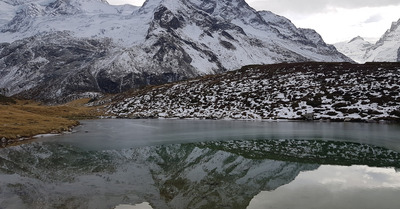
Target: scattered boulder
{"points": [[3, 140], [308, 116]]}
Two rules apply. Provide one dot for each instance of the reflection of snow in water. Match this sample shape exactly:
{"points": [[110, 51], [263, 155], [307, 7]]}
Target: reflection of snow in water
{"points": [[171, 176], [346, 187], [144, 205]]}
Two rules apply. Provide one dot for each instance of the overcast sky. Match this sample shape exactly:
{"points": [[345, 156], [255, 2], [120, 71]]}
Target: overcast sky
{"points": [[335, 20]]}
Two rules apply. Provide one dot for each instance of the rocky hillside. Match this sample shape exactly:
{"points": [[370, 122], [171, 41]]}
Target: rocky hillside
{"points": [[82, 48], [312, 91]]}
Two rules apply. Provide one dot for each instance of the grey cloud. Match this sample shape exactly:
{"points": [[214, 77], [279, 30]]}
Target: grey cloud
{"points": [[315, 6], [374, 18]]}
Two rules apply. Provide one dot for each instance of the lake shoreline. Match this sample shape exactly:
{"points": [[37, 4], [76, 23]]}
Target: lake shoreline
{"points": [[332, 120], [5, 142], [23, 120]]}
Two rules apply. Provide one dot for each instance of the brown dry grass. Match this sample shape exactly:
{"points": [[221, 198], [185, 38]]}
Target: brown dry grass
{"points": [[26, 118]]}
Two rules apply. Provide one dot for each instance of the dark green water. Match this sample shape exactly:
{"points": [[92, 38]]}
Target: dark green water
{"points": [[206, 164]]}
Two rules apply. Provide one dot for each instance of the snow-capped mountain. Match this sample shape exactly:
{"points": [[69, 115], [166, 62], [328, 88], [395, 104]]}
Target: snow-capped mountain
{"points": [[96, 47], [355, 48], [387, 49]]}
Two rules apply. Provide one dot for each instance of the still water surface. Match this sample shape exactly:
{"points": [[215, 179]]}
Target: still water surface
{"points": [[120, 134], [206, 164]]}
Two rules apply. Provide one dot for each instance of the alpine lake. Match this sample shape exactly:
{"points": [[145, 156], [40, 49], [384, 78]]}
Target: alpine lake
{"points": [[121, 163]]}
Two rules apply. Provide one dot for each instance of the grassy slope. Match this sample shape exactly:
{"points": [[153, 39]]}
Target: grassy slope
{"points": [[26, 119]]}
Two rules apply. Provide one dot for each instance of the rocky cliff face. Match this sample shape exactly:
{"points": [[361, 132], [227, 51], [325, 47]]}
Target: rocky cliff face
{"points": [[38, 63], [398, 55], [129, 47]]}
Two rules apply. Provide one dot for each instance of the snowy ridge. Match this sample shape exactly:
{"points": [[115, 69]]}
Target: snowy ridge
{"points": [[385, 50], [162, 41], [83, 19], [355, 49], [304, 91]]}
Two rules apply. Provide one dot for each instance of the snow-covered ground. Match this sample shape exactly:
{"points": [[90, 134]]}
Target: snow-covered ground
{"points": [[312, 91]]}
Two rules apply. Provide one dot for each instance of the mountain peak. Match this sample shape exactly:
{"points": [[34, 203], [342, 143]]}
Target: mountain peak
{"points": [[210, 6], [358, 38], [395, 25]]}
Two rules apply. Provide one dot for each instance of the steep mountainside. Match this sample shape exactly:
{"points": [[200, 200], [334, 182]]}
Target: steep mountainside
{"points": [[327, 91], [115, 48], [387, 49]]}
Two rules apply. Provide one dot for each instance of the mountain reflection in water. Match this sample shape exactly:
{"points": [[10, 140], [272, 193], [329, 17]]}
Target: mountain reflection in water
{"points": [[200, 173], [174, 176], [192, 175]]}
